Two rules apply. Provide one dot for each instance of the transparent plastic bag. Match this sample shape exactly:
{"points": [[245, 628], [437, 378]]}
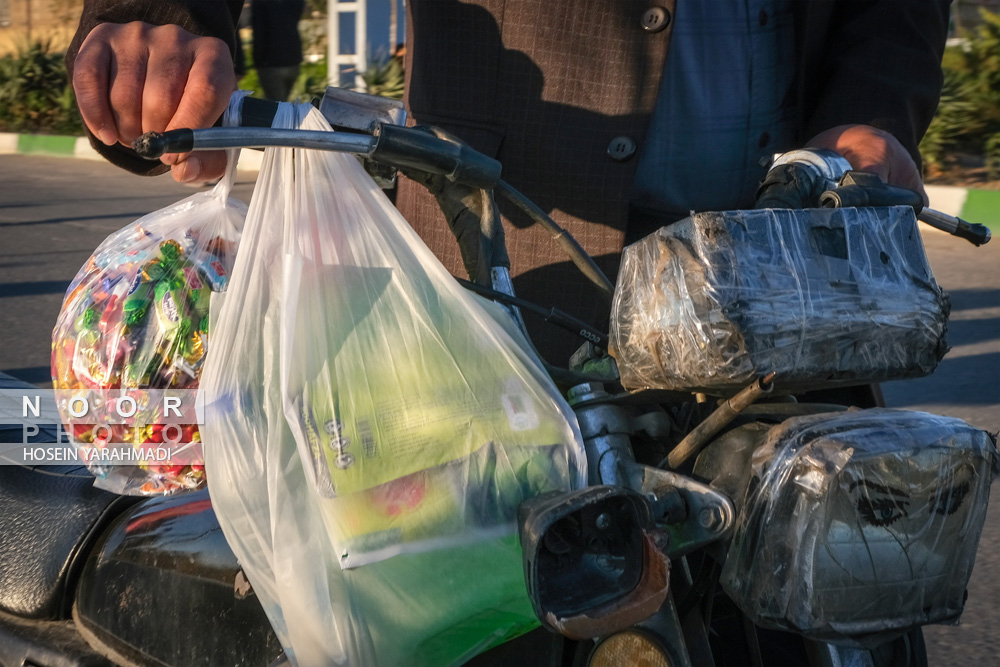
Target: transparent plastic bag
{"points": [[860, 525], [822, 297], [135, 317], [372, 427]]}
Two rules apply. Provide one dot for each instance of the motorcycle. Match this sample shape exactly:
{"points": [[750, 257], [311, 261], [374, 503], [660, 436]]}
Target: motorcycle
{"points": [[725, 521]]}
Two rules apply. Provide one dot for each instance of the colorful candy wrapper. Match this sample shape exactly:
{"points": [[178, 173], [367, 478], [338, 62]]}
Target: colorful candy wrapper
{"points": [[136, 318]]}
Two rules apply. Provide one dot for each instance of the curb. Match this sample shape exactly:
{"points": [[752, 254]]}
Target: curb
{"points": [[982, 206], [79, 147]]}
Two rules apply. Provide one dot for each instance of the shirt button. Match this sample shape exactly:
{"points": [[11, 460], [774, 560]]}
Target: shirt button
{"points": [[621, 148], [655, 19]]}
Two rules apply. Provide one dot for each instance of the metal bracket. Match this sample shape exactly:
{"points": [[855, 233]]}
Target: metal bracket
{"points": [[710, 514], [349, 110]]}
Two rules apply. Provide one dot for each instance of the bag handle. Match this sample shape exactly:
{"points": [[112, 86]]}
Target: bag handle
{"points": [[231, 118]]}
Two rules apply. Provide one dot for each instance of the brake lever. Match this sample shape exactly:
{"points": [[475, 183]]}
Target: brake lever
{"points": [[858, 188]]}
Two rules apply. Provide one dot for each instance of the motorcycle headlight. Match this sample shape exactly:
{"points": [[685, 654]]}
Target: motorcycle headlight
{"points": [[860, 525]]}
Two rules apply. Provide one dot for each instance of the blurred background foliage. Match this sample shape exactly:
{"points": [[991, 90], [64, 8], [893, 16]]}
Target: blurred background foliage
{"points": [[967, 124], [35, 95], [963, 137]]}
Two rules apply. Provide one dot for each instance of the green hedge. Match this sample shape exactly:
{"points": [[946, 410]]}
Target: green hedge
{"points": [[968, 117], [35, 95]]}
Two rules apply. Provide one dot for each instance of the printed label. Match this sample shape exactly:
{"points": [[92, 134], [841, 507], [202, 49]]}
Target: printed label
{"points": [[520, 409], [136, 281], [193, 280], [170, 308]]}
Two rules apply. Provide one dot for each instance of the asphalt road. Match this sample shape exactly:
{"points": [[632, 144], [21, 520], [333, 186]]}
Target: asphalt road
{"points": [[966, 385], [54, 212]]}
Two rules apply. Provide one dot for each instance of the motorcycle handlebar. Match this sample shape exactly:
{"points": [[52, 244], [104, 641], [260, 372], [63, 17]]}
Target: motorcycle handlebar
{"points": [[399, 147]]}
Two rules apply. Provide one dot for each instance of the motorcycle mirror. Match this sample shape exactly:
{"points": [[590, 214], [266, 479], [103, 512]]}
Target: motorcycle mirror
{"points": [[592, 560]]}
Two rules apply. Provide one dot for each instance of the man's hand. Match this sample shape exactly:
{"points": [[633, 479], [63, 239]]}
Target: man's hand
{"points": [[136, 77], [870, 149]]}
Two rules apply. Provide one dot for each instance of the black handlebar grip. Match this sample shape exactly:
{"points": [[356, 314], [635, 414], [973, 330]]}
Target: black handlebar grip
{"points": [[848, 196], [406, 148], [858, 189], [973, 232], [257, 112], [152, 145], [791, 185]]}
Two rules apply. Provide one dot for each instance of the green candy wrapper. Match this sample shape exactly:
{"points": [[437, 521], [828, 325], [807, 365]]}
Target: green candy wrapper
{"points": [[134, 319], [171, 310]]}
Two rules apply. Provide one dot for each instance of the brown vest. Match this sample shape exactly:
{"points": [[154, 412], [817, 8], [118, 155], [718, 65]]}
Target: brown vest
{"points": [[546, 86], [547, 103]]}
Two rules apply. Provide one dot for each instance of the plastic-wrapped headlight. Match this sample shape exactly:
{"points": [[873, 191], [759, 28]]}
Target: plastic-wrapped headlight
{"points": [[861, 524]]}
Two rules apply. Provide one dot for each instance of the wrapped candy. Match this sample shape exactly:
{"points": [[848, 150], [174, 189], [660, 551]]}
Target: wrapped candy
{"points": [[136, 318]]}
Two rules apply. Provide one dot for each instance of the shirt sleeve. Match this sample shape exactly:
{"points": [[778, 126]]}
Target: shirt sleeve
{"points": [[211, 18], [879, 65]]}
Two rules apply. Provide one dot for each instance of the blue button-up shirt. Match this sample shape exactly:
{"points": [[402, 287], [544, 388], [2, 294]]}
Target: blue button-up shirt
{"points": [[725, 104]]}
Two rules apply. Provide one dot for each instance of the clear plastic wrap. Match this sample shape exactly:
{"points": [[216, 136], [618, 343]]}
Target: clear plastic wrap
{"points": [[862, 524], [819, 296], [372, 427], [135, 317]]}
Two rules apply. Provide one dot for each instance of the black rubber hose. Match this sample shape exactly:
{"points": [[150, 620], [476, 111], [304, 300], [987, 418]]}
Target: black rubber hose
{"points": [[553, 315], [576, 253]]}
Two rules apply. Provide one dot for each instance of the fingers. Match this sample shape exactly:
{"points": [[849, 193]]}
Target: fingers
{"points": [[91, 86], [164, 88], [200, 166], [904, 174], [210, 83], [127, 79], [135, 78], [873, 150]]}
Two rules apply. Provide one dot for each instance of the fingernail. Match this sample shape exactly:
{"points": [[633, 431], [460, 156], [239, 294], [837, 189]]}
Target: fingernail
{"points": [[107, 137], [169, 158], [192, 170]]}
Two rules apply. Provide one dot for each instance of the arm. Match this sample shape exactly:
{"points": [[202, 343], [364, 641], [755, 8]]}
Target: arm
{"points": [[874, 80], [141, 65]]}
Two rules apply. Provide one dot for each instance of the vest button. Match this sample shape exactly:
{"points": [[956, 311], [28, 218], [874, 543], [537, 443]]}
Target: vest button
{"points": [[621, 148], [655, 19]]}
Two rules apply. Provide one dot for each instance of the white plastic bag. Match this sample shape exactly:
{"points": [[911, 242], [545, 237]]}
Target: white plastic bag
{"points": [[135, 317], [372, 427]]}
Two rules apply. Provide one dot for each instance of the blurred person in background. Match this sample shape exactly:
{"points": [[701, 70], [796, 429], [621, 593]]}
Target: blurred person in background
{"points": [[277, 47]]}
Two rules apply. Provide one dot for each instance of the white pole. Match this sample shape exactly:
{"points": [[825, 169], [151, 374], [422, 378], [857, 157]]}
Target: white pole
{"points": [[361, 40], [393, 23], [332, 44]]}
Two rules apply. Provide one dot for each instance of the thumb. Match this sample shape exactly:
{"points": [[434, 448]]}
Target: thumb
{"points": [[199, 167]]}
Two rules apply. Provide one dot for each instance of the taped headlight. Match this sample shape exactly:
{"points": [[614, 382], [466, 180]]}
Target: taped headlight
{"points": [[860, 525]]}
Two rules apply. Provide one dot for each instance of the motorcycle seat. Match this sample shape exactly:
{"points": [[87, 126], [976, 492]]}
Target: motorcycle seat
{"points": [[50, 517]]}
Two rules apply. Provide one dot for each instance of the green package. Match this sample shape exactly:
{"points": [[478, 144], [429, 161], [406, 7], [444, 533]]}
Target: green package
{"points": [[403, 399]]}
